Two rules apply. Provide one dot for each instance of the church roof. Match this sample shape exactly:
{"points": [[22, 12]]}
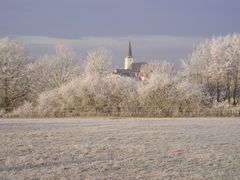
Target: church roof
{"points": [[133, 69], [125, 72], [137, 66], [129, 50]]}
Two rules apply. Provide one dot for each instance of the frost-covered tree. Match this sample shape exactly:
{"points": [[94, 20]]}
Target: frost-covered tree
{"points": [[14, 82], [51, 71], [214, 64], [159, 74], [98, 62], [209, 78], [163, 93], [233, 66], [109, 95]]}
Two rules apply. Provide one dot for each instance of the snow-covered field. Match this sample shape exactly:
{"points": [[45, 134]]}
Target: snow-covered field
{"points": [[108, 148]]}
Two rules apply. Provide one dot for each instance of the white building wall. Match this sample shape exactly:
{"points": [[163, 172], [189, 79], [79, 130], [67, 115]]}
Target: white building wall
{"points": [[128, 62]]}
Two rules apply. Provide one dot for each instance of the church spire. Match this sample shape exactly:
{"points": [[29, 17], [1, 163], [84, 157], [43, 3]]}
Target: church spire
{"points": [[129, 50], [129, 57]]}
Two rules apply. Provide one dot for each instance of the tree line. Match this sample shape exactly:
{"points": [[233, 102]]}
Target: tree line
{"points": [[61, 85]]}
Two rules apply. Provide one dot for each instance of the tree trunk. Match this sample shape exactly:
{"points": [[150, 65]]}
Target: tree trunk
{"points": [[6, 95], [235, 93], [218, 92], [235, 89]]}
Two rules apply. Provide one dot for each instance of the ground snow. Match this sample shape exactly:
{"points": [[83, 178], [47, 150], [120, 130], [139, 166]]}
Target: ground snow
{"points": [[106, 148]]}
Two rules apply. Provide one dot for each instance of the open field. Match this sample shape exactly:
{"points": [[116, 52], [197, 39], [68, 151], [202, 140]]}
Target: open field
{"points": [[105, 148]]}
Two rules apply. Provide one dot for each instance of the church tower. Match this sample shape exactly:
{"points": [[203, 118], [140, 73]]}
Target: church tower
{"points": [[129, 57]]}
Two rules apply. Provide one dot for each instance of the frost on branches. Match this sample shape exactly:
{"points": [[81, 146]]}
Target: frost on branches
{"points": [[97, 62], [14, 81], [58, 85], [52, 71], [215, 66]]}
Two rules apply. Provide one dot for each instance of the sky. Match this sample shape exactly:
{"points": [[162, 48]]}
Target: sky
{"points": [[158, 29]]}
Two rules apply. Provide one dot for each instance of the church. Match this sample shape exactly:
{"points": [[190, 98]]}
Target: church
{"points": [[131, 68]]}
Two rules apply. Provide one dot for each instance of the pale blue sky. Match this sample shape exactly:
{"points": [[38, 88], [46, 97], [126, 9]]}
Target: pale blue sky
{"points": [[120, 20]]}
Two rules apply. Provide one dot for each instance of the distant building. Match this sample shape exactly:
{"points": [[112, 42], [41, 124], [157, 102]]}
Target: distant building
{"points": [[131, 69]]}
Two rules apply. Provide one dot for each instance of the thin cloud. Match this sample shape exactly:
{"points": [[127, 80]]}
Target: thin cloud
{"points": [[142, 42], [145, 48]]}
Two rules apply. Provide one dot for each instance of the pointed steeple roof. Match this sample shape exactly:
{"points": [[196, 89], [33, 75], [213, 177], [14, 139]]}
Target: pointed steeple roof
{"points": [[129, 50]]}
